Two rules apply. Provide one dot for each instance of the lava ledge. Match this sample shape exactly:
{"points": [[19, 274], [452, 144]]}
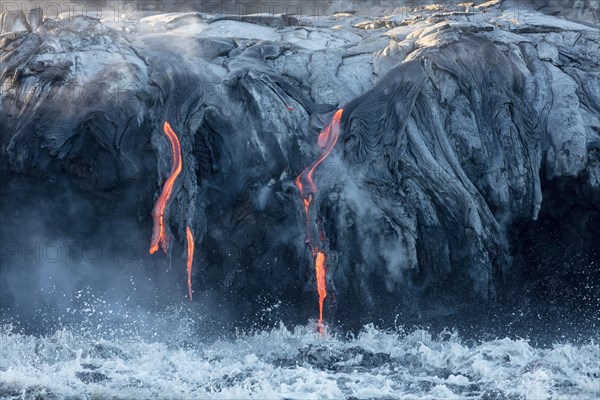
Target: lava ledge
{"points": [[454, 120]]}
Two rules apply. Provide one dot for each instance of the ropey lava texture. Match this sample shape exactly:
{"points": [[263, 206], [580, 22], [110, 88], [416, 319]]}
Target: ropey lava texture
{"points": [[451, 128]]}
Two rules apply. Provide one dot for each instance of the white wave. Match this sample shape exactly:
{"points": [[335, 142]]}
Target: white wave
{"points": [[297, 364]]}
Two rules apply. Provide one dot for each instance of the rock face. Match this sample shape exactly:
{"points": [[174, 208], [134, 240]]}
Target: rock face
{"points": [[580, 10], [455, 123]]}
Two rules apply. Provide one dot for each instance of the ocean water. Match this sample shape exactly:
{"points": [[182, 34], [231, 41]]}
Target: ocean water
{"points": [[85, 361]]}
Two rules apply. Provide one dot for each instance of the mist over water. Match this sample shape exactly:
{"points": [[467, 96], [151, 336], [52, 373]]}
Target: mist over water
{"points": [[98, 318]]}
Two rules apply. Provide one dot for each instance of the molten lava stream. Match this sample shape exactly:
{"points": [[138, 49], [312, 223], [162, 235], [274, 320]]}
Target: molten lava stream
{"points": [[327, 141], [159, 236], [321, 284], [190, 257]]}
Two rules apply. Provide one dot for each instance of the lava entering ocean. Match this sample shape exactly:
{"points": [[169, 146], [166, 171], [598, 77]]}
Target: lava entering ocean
{"points": [[327, 141], [159, 235]]}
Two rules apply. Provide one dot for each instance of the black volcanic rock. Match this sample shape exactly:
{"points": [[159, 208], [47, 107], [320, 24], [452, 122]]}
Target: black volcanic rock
{"points": [[451, 131]]}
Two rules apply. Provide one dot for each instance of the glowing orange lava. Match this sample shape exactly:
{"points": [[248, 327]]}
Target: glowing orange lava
{"points": [[327, 141], [159, 236], [190, 257], [321, 285]]}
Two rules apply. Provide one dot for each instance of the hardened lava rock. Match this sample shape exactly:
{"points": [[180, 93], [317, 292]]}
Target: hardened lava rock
{"points": [[460, 129]]}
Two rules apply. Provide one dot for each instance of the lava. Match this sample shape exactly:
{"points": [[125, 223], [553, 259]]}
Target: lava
{"points": [[190, 257], [321, 284], [159, 236], [327, 141]]}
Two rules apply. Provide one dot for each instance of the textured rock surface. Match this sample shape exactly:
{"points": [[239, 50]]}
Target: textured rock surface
{"points": [[454, 124]]}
